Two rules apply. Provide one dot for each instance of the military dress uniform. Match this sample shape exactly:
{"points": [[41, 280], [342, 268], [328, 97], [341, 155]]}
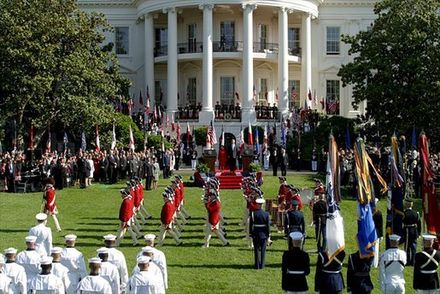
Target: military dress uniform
{"points": [[328, 277], [412, 228], [110, 272], [117, 258], [425, 271], [30, 260], [259, 227], [320, 220], [391, 266], [73, 260], [43, 234], [358, 274], [46, 283], [294, 268], [146, 281], [16, 273]]}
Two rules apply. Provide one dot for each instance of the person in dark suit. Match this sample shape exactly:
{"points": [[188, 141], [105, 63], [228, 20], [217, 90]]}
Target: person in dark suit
{"points": [[295, 266], [232, 155], [259, 228], [274, 161], [425, 267], [358, 274], [320, 220], [148, 169], [412, 228], [283, 162], [328, 277]]}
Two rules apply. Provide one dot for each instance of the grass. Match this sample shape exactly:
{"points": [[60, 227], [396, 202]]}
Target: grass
{"points": [[93, 212]]}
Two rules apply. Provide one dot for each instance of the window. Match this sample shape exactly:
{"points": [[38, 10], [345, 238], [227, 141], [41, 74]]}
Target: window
{"points": [[262, 97], [263, 37], [227, 90], [332, 96], [192, 41], [191, 91], [121, 40], [333, 40], [161, 41], [293, 36], [227, 36], [160, 93], [294, 93]]}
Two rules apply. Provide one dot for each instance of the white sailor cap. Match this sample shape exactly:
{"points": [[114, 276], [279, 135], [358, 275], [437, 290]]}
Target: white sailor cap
{"points": [[143, 259], [30, 239], [2, 260], [429, 237], [56, 250], [147, 249], [10, 250], [109, 237], [102, 250], [46, 260], [41, 216], [394, 237], [70, 237], [260, 200], [296, 236], [376, 200], [150, 237], [95, 260]]}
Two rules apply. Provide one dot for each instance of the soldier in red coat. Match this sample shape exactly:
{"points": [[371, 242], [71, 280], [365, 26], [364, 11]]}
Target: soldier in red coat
{"points": [[319, 188], [182, 190], [166, 218], [293, 194], [126, 213], [49, 201], [139, 204], [282, 194]]}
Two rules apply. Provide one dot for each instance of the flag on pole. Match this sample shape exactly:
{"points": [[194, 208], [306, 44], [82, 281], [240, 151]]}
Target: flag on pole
{"points": [[83, 141], [257, 141], [113, 138], [222, 141], [98, 143], [178, 133], [49, 141], [395, 205], [309, 95], [141, 99], [347, 139], [147, 108], [265, 137], [241, 137], [211, 135], [167, 120], [131, 138], [414, 139], [254, 94], [65, 141], [31, 137], [172, 122], [188, 135], [250, 137], [283, 132], [335, 226], [130, 106]]}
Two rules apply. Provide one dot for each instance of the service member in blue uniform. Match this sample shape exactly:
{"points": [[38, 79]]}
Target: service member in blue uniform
{"points": [[358, 274], [259, 227], [295, 266], [328, 277], [412, 228], [294, 221], [425, 267]]}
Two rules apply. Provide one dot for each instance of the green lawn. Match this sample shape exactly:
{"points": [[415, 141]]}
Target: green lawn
{"points": [[93, 212]]}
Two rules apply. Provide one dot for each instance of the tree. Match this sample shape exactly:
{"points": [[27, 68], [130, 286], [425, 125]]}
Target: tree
{"points": [[396, 67], [54, 66]]}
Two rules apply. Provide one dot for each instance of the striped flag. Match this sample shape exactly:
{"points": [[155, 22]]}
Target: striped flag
{"points": [[98, 143], [131, 138], [211, 135], [241, 136], [49, 141], [222, 142], [147, 108], [178, 133], [130, 106], [250, 137], [113, 138], [83, 141], [257, 141]]}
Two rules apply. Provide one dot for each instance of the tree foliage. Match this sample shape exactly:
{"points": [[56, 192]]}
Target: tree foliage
{"points": [[54, 67], [396, 67]]}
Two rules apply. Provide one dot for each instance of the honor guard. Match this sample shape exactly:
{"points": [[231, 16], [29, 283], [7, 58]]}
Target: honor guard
{"points": [[166, 218], [158, 257], [126, 216], [44, 235], [46, 282], [282, 194], [182, 191], [213, 207], [15, 272], [320, 221], [154, 269], [93, 283], [144, 281], [117, 258], [58, 269], [6, 283], [30, 258], [294, 220], [259, 228], [412, 228], [391, 266], [425, 267], [49, 200], [109, 271], [358, 274], [73, 260], [295, 266], [328, 277]]}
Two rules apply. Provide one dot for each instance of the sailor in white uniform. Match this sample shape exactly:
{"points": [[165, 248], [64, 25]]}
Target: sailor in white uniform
{"points": [[94, 283], [158, 257], [29, 259], [117, 258], [15, 272], [73, 260], [43, 234], [46, 282], [5, 282], [109, 271], [144, 281], [391, 266], [58, 269]]}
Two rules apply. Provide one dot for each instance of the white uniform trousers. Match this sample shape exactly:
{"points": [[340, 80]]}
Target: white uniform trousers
{"points": [[434, 291]]}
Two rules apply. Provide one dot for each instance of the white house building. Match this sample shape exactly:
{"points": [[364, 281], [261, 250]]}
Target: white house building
{"points": [[236, 51]]}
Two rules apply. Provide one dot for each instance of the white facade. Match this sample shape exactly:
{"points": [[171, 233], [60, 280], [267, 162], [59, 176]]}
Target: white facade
{"points": [[209, 51]]}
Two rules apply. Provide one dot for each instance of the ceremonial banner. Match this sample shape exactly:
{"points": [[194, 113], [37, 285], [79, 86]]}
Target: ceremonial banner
{"points": [[250, 137], [83, 141], [113, 138], [131, 138], [397, 188], [98, 143], [257, 143], [49, 141], [335, 225], [431, 210]]}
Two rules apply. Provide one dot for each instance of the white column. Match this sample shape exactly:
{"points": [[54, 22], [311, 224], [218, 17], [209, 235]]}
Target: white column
{"points": [[207, 113], [306, 57], [149, 57], [172, 68], [248, 110], [283, 62]]}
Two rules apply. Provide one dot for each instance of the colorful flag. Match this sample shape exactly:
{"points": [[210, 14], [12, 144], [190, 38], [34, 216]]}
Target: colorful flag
{"points": [[414, 139], [283, 133], [241, 136], [431, 210], [167, 121], [335, 225], [322, 103], [130, 106], [188, 135], [147, 108], [113, 145], [250, 137], [98, 143], [31, 137], [172, 122], [49, 141], [347, 139], [178, 133], [257, 141], [265, 137], [211, 135], [141, 99], [222, 141], [395, 209], [131, 138], [83, 141]]}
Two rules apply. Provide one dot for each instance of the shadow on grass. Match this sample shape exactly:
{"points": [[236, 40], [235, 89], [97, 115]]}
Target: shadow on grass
{"points": [[13, 231]]}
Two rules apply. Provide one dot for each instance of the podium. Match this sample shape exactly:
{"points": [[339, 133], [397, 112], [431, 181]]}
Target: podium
{"points": [[247, 158], [210, 157]]}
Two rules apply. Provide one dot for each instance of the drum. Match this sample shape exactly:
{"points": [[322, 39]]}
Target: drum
{"points": [[307, 196]]}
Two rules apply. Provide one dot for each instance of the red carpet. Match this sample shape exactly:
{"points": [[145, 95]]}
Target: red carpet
{"points": [[229, 180]]}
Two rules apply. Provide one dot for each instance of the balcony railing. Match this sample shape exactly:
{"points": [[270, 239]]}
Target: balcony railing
{"points": [[190, 47], [266, 112], [264, 47], [161, 51], [222, 46], [296, 51]]}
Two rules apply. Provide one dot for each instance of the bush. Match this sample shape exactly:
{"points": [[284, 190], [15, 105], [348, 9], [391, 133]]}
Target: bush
{"points": [[156, 142], [202, 168], [200, 134], [254, 167]]}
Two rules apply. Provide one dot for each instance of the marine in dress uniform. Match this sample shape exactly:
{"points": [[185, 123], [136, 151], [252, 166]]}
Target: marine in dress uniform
{"points": [[295, 266], [425, 267], [117, 258], [94, 283], [46, 282], [320, 221], [50, 205], [328, 277], [358, 274], [294, 220], [43, 234], [6, 283], [15, 272], [73, 260], [259, 228], [144, 281], [58, 269], [29, 259], [391, 266], [412, 228], [109, 271]]}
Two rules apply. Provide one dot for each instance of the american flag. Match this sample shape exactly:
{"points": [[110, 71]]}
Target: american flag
{"points": [[98, 143], [131, 138], [211, 135], [332, 106], [130, 106], [178, 133]]}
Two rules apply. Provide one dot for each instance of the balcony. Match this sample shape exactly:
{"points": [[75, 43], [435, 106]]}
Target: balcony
{"points": [[230, 46], [263, 47], [190, 47]]}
